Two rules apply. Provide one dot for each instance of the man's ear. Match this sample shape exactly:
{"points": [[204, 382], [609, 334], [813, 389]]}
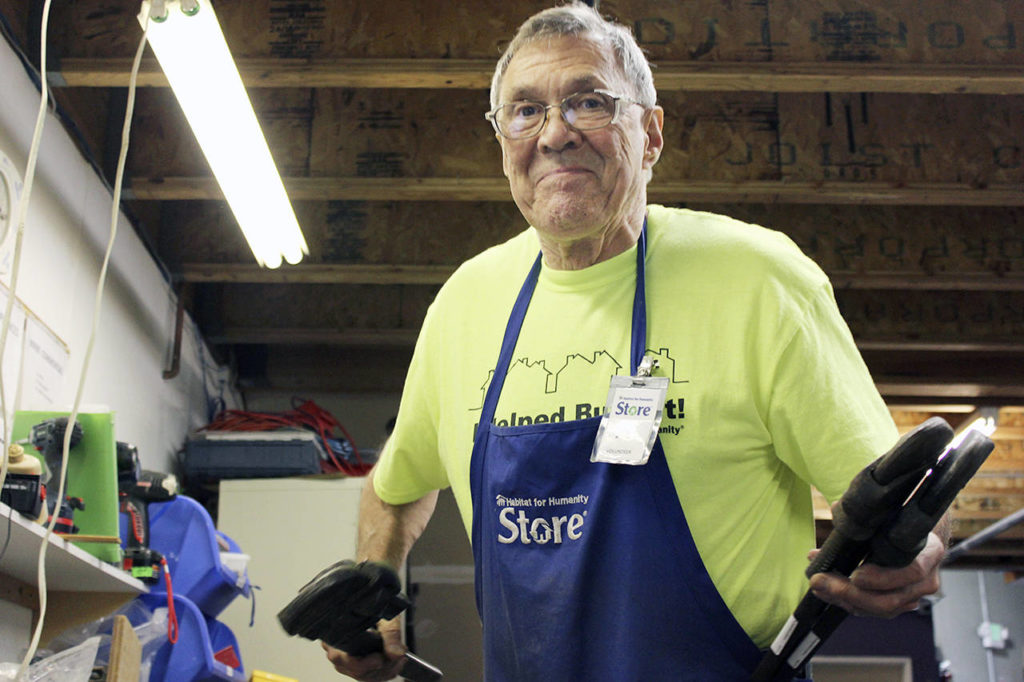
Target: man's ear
{"points": [[655, 139]]}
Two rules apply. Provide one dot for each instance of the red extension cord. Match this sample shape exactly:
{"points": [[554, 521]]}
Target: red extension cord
{"points": [[306, 414]]}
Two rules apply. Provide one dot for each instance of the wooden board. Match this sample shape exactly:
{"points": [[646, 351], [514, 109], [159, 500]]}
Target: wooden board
{"points": [[125, 653], [876, 239], [881, 136], [736, 137], [984, 31], [388, 133], [964, 337], [970, 247], [933, 316], [17, 16], [410, 233]]}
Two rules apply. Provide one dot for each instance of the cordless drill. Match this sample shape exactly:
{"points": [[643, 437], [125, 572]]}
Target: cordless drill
{"points": [[137, 488], [48, 438]]}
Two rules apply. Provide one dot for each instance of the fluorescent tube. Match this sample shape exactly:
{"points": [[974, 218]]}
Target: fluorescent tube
{"points": [[195, 58]]}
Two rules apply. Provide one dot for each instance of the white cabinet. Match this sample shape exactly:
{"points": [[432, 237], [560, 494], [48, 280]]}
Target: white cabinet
{"points": [[291, 528]]}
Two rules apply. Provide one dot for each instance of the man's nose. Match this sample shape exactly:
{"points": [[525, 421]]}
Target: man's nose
{"points": [[556, 133]]}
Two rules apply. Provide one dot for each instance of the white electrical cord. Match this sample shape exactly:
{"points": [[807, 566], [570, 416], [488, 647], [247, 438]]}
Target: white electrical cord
{"points": [[19, 221], [114, 215]]}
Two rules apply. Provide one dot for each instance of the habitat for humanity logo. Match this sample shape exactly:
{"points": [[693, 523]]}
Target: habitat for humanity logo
{"points": [[540, 527]]}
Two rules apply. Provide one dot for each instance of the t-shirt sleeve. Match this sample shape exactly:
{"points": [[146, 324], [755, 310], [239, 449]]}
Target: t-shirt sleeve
{"points": [[826, 417], [410, 464]]}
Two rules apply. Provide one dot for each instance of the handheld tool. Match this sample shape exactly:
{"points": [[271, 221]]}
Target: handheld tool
{"points": [[23, 489], [48, 438], [884, 518], [137, 488], [342, 605]]}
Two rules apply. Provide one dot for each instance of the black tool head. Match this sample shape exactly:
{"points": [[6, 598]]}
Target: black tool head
{"points": [[48, 436], [343, 601], [128, 466], [916, 451]]}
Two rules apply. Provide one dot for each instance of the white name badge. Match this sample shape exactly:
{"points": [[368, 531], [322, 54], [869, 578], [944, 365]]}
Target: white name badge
{"points": [[631, 420]]}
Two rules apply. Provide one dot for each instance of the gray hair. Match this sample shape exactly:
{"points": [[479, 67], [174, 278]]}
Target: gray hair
{"points": [[577, 19]]}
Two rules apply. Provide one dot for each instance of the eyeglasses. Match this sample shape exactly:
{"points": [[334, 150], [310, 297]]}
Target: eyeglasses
{"points": [[581, 111]]}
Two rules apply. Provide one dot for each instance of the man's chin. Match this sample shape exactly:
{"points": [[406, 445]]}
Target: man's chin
{"points": [[566, 213]]}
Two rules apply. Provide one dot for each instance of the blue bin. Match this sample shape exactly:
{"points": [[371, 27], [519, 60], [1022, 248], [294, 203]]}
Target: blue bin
{"points": [[191, 659], [181, 530]]}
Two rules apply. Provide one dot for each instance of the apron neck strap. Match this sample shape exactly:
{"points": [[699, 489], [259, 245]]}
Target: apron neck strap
{"points": [[638, 340]]}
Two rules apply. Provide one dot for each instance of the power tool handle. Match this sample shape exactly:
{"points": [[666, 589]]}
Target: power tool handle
{"points": [[362, 644], [138, 521], [370, 641], [838, 554]]}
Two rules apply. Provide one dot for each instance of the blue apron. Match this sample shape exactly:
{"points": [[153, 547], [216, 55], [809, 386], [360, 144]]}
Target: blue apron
{"points": [[588, 571]]}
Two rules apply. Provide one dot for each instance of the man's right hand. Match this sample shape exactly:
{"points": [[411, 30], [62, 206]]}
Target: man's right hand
{"points": [[375, 667]]}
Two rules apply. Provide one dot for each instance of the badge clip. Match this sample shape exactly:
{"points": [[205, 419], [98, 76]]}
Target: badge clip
{"points": [[647, 365]]}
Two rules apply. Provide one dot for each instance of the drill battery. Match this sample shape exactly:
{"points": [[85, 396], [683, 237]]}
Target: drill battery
{"points": [[24, 493]]}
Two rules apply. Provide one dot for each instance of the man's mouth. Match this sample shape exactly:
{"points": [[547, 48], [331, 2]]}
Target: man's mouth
{"points": [[564, 171]]}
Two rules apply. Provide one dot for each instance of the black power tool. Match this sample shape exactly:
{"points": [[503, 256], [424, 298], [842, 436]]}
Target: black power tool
{"points": [[48, 438], [137, 488], [341, 607], [883, 518]]}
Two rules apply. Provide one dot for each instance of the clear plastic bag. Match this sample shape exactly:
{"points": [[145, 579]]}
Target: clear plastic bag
{"points": [[150, 627], [73, 664], [152, 635]]}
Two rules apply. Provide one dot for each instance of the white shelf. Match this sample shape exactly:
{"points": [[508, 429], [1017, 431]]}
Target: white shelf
{"points": [[68, 568]]}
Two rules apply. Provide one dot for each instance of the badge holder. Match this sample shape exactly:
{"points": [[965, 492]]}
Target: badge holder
{"points": [[632, 417]]}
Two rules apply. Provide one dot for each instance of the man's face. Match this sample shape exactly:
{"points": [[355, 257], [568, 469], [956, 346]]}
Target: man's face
{"points": [[572, 185]]}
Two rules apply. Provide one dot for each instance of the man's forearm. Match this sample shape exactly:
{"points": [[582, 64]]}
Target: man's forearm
{"points": [[387, 531]]}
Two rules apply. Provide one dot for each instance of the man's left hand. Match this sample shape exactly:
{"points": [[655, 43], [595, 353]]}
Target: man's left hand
{"points": [[873, 590]]}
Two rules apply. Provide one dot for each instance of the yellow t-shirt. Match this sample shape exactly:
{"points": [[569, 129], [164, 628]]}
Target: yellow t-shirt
{"points": [[767, 394]]}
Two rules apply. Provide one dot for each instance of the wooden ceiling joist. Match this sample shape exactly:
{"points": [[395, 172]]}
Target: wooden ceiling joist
{"points": [[905, 346], [407, 337], [293, 73], [962, 281], [239, 273], [892, 389], [392, 338], [315, 274], [327, 189], [706, 191], [986, 79]]}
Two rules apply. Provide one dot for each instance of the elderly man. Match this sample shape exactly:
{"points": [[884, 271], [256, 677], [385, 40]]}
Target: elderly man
{"points": [[608, 545]]}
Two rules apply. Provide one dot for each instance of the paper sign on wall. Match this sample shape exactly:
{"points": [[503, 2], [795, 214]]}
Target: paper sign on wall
{"points": [[34, 362], [43, 367]]}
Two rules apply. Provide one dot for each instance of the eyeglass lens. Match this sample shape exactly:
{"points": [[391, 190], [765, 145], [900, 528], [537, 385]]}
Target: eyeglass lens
{"points": [[583, 111]]}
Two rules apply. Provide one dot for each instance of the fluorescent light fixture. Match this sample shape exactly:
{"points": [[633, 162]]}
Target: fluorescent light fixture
{"points": [[190, 46]]}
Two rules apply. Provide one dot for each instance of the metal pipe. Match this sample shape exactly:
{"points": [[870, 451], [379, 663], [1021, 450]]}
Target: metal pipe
{"points": [[983, 536]]}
